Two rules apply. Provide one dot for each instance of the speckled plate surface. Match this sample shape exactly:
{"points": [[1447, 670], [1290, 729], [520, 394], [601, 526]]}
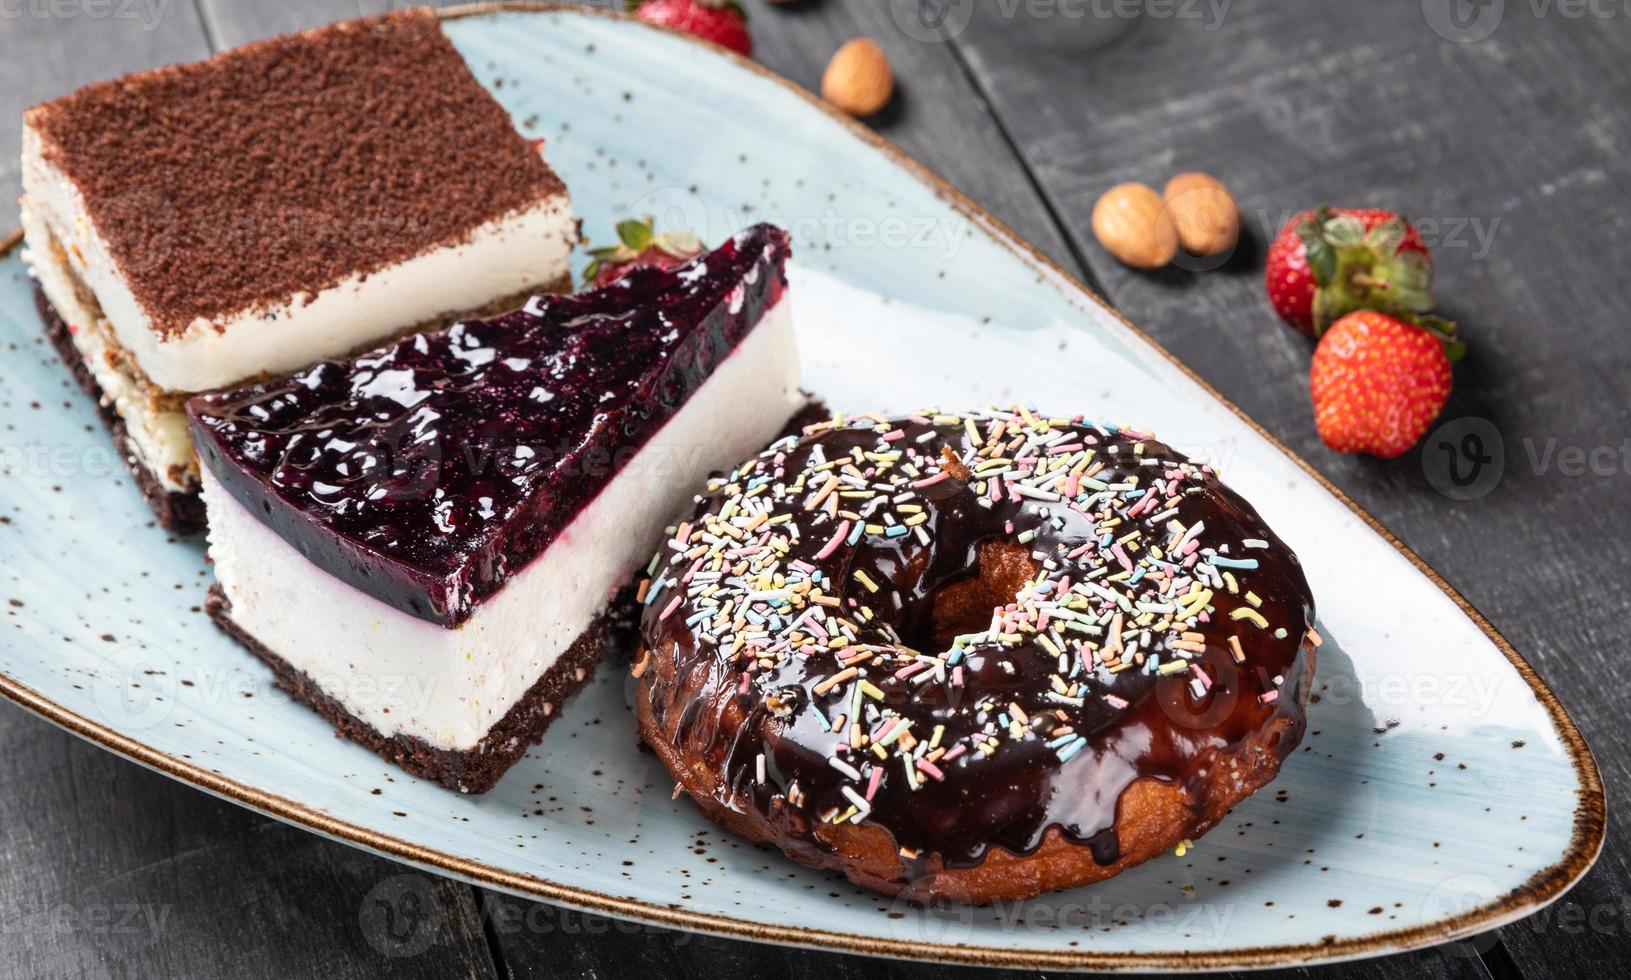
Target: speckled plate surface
{"points": [[1441, 791]]}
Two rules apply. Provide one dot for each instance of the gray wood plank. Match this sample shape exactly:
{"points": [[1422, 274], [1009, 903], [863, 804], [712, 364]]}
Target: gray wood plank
{"points": [[544, 943], [937, 116], [109, 870], [47, 50], [235, 22], [1521, 137]]}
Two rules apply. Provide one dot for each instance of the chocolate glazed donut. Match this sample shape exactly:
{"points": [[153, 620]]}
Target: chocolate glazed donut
{"points": [[975, 656]]}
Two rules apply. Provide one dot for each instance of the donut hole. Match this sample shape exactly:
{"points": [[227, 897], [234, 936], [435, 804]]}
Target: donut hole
{"points": [[964, 605]]}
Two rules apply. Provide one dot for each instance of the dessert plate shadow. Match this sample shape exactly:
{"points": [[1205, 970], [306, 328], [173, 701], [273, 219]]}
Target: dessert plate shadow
{"points": [[1442, 791]]}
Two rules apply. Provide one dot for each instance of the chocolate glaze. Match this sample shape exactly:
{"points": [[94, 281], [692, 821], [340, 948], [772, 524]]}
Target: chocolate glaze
{"points": [[428, 472], [1159, 728]]}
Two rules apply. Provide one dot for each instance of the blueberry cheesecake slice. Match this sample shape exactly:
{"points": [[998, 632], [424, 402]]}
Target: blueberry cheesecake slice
{"points": [[425, 541]]}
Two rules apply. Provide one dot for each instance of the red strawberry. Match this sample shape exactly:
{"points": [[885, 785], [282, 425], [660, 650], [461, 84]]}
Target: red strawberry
{"points": [[723, 22], [639, 246], [1330, 262], [1379, 381]]}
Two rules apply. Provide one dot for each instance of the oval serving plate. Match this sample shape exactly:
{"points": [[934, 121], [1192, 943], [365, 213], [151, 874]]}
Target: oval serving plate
{"points": [[1442, 790]]}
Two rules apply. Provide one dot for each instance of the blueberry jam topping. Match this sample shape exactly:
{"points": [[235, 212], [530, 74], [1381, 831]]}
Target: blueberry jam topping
{"points": [[428, 472]]}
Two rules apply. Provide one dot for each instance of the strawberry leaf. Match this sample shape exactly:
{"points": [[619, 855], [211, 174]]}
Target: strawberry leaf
{"points": [[635, 235], [1322, 258], [1434, 324], [1344, 231], [1411, 274], [1329, 307], [1386, 237], [1444, 329], [1359, 270]]}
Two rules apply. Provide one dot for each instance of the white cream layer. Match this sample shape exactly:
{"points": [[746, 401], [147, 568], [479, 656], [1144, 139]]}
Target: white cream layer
{"points": [[158, 438], [403, 675], [504, 257]]}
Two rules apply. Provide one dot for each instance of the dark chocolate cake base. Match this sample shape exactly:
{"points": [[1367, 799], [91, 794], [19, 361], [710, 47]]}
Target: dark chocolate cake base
{"points": [[182, 513], [474, 770]]}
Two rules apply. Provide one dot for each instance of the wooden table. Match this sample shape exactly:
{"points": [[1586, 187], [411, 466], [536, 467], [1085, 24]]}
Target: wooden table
{"points": [[1513, 148]]}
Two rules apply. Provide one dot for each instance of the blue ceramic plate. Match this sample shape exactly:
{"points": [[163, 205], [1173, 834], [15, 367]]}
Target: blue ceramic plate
{"points": [[1442, 790]]}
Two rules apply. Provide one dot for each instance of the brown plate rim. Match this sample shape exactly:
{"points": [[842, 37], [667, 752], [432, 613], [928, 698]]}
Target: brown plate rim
{"points": [[1590, 817]]}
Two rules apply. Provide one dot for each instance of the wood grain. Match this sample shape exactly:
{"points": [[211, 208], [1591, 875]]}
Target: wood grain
{"points": [[1521, 138], [47, 51], [935, 116], [235, 22], [109, 870], [543, 943]]}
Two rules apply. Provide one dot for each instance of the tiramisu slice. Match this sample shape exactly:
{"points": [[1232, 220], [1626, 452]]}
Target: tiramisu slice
{"points": [[306, 197], [424, 541]]}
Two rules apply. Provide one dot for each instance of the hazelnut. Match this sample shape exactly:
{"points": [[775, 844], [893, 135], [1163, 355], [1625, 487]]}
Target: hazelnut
{"points": [[1133, 224]]}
